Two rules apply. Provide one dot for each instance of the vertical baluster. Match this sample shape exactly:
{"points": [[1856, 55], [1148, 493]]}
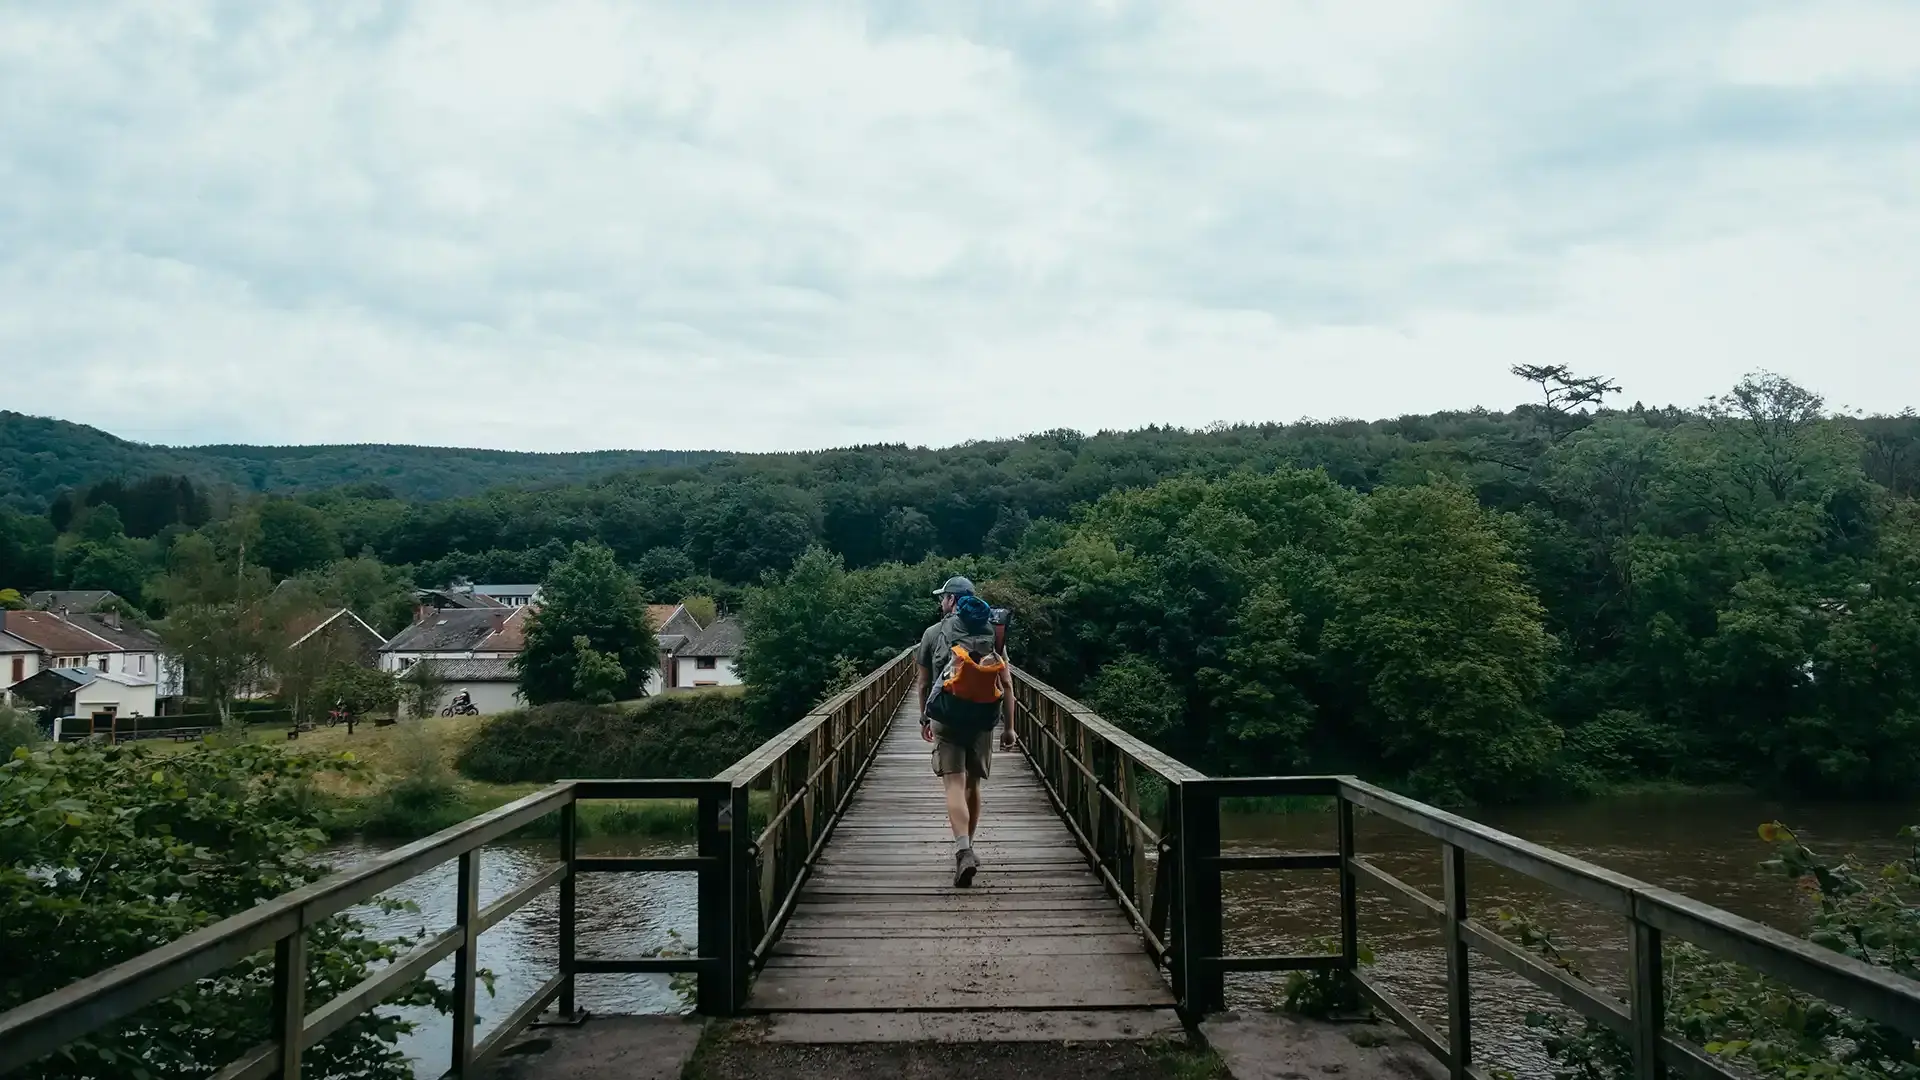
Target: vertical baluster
{"points": [[1133, 849], [1453, 888], [466, 909], [569, 852], [1649, 1003], [289, 1000], [1349, 901]]}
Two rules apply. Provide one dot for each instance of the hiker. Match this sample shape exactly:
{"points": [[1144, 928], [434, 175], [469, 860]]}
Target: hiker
{"points": [[968, 686]]}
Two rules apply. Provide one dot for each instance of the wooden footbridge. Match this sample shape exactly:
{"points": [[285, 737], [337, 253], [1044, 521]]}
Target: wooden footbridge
{"points": [[823, 874]]}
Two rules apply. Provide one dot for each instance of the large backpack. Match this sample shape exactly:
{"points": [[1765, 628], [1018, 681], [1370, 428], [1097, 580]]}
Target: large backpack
{"points": [[966, 691], [965, 696]]}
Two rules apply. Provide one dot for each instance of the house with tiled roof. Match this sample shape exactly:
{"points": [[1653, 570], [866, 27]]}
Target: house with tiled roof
{"points": [[674, 626], [470, 648], [105, 643], [711, 658]]}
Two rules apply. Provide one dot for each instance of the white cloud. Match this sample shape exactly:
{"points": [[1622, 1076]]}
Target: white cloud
{"points": [[595, 223]]}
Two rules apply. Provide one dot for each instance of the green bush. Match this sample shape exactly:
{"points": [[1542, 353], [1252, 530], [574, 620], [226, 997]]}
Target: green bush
{"points": [[695, 733], [17, 728]]}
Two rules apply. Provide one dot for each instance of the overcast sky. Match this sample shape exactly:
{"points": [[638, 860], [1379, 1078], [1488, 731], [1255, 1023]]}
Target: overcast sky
{"points": [[603, 223]]}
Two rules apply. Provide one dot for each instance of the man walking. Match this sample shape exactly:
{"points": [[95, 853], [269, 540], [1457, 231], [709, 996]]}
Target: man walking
{"points": [[963, 751]]}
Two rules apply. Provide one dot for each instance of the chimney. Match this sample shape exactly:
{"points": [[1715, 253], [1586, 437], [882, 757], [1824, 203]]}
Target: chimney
{"points": [[112, 618]]}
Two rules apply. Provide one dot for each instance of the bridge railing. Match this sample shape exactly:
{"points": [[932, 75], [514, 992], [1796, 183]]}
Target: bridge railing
{"points": [[1092, 771], [748, 875], [1120, 799], [807, 774]]}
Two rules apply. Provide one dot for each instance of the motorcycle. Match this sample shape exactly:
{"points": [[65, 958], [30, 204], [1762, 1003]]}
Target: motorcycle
{"points": [[461, 709]]}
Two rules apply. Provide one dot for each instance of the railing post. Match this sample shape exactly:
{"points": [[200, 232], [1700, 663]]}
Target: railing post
{"points": [[1203, 987], [742, 887], [1453, 888], [715, 900], [289, 1000], [569, 851], [466, 909], [1349, 902], [1649, 1002]]}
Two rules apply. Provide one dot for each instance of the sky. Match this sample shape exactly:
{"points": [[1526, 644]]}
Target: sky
{"points": [[786, 225]]}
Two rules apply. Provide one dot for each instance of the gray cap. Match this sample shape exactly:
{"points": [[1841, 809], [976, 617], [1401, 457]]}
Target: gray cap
{"points": [[955, 586]]}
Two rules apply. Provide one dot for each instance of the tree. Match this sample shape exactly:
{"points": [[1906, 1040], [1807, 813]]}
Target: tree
{"points": [[294, 538], [422, 687], [1437, 632], [589, 596], [221, 623], [907, 534], [11, 600], [598, 677], [362, 691], [704, 609], [113, 851]]}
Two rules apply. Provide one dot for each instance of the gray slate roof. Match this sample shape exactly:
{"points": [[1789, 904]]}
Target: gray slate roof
{"points": [[451, 630], [723, 638], [471, 671], [70, 599], [670, 643]]}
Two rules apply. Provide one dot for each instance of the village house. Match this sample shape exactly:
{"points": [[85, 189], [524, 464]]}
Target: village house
{"points": [[35, 641], [674, 626], [95, 698], [471, 649], [710, 658]]}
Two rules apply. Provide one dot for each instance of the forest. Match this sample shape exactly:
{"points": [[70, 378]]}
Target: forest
{"points": [[1551, 599]]}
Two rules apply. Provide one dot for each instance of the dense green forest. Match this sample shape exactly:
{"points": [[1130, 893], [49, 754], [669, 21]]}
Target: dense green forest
{"points": [[1479, 605], [39, 457]]}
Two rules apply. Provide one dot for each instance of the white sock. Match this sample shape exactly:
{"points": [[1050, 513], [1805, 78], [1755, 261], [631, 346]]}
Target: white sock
{"points": [[961, 843]]}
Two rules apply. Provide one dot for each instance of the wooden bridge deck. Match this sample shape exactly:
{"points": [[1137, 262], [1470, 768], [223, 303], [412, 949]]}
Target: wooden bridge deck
{"points": [[880, 927]]}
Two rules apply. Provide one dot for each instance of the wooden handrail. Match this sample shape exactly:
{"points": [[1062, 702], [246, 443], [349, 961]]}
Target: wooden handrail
{"points": [[725, 865]]}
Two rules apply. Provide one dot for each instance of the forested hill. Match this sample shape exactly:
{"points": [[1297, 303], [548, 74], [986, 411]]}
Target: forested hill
{"points": [[40, 456]]}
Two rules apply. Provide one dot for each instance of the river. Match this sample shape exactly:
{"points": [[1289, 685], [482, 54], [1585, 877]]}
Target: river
{"points": [[1702, 845]]}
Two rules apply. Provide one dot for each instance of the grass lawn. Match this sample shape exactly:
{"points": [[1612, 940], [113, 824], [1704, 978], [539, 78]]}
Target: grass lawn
{"points": [[423, 752]]}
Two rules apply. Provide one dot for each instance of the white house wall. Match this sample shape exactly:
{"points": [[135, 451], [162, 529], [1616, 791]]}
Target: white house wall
{"points": [[30, 666], [125, 700], [721, 674], [489, 697]]}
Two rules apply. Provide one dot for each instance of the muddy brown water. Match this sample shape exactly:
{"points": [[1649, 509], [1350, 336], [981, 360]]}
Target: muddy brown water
{"points": [[1701, 845]]}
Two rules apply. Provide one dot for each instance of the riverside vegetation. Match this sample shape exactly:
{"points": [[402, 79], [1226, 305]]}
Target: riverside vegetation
{"points": [[1581, 595]]}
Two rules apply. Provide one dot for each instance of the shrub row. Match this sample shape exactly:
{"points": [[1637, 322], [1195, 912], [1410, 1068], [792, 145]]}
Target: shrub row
{"points": [[692, 733]]}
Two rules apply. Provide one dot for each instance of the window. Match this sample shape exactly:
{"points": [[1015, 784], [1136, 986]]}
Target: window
{"points": [[70, 661], [101, 663], [704, 663], [140, 664]]}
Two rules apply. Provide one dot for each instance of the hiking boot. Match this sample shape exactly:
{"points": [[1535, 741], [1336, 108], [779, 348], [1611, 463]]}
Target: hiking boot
{"points": [[965, 865]]}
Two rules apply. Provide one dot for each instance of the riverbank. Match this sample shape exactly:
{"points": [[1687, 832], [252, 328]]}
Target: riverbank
{"points": [[412, 789]]}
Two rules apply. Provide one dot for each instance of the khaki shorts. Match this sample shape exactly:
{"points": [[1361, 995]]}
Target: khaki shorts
{"points": [[972, 755]]}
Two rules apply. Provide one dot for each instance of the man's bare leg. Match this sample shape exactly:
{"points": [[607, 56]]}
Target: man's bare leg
{"points": [[962, 798], [973, 805]]}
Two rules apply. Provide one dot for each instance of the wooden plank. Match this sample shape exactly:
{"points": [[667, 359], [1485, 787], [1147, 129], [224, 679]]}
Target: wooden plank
{"points": [[880, 927]]}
